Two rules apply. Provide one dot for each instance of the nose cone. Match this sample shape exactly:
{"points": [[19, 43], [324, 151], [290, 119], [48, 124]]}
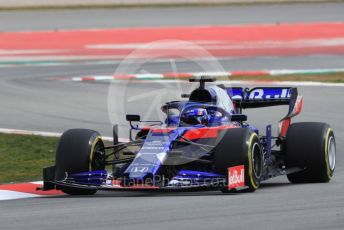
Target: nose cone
{"points": [[152, 154]]}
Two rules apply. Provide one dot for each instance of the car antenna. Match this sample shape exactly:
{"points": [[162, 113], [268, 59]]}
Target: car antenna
{"points": [[202, 81]]}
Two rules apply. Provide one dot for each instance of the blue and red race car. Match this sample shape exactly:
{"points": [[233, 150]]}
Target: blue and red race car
{"points": [[205, 142]]}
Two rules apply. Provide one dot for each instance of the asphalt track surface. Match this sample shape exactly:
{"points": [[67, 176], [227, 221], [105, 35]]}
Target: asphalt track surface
{"points": [[29, 99], [221, 15]]}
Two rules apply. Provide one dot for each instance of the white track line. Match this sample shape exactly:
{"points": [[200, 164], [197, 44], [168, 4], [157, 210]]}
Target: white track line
{"points": [[13, 195]]}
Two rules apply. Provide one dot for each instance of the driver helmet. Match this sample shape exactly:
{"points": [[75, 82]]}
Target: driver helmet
{"points": [[197, 116]]}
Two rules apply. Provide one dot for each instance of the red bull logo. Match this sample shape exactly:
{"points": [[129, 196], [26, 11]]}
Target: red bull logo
{"points": [[236, 177]]}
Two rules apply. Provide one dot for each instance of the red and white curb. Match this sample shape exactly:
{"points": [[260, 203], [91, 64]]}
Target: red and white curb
{"points": [[180, 76], [24, 190]]}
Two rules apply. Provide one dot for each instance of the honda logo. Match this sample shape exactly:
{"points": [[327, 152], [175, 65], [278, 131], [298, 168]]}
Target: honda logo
{"points": [[139, 169]]}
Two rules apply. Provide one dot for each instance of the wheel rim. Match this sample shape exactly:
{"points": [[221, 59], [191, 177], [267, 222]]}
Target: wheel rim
{"points": [[256, 160], [98, 157], [331, 153]]}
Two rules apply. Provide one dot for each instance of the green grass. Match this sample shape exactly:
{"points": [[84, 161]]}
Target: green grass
{"points": [[22, 157]]}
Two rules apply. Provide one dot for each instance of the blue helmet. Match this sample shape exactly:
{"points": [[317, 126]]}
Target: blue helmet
{"points": [[198, 116]]}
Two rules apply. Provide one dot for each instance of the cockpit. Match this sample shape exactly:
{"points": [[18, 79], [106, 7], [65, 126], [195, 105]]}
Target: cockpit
{"points": [[210, 106]]}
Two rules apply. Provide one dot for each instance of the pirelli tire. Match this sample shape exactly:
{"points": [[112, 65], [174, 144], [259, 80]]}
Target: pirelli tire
{"points": [[79, 150], [312, 146], [240, 146]]}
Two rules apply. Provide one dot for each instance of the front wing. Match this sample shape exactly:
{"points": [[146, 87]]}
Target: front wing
{"points": [[223, 184]]}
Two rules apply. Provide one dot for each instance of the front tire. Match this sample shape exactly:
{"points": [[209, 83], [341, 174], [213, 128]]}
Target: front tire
{"points": [[240, 146], [79, 150], [311, 145]]}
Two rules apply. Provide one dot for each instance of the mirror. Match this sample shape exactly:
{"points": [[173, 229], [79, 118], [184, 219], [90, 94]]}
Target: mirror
{"points": [[133, 117], [239, 117]]}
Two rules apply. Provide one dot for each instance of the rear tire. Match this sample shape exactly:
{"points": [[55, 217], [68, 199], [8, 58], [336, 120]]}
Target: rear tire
{"points": [[240, 146], [310, 145], [78, 151]]}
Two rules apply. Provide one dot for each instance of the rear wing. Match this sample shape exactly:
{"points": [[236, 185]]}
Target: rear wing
{"points": [[258, 97], [261, 96]]}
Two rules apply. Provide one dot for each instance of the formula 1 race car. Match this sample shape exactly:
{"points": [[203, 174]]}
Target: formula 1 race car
{"points": [[204, 143]]}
